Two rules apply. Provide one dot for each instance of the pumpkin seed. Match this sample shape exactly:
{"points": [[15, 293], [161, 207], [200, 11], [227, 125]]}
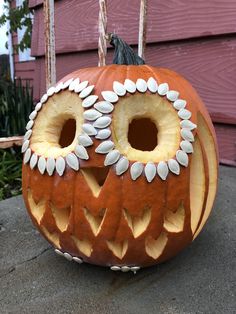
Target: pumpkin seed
{"points": [[174, 166], [86, 91], [182, 158], [119, 88], [162, 170], [163, 89], [60, 165], [42, 164], [152, 85], [136, 170], [110, 96], [150, 171], [141, 85]]}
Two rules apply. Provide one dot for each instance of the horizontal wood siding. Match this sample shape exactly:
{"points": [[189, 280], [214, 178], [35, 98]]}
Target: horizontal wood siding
{"points": [[195, 38], [209, 65], [23, 70], [76, 22], [226, 137]]}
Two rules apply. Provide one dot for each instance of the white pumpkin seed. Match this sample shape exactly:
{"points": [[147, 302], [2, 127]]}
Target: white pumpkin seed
{"points": [[27, 156], [119, 88], [112, 157], [184, 114], [187, 147], [174, 166], [172, 95], [130, 86], [44, 98], [27, 135], [38, 106], [91, 114], [51, 91], [86, 91], [33, 161], [150, 171], [104, 147], [104, 106], [59, 87], [68, 256], [85, 140], [81, 86], [180, 104], [77, 260], [162, 170], [81, 152], [72, 161], [50, 165], [187, 124], [60, 165], [110, 96], [182, 158], [122, 165], [136, 170], [141, 85], [67, 83], [187, 135], [73, 84], [25, 146], [89, 101], [103, 134], [115, 268], [89, 129], [42, 164], [102, 122], [125, 269], [33, 115], [152, 85], [29, 125], [134, 268], [59, 252], [163, 89]]}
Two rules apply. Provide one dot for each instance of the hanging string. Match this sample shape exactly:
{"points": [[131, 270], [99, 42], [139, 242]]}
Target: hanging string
{"points": [[102, 44], [49, 33], [142, 28]]}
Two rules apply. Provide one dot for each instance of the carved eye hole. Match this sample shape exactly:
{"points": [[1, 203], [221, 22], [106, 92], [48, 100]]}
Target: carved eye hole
{"points": [[67, 133], [142, 134], [145, 134], [57, 126], [146, 128]]}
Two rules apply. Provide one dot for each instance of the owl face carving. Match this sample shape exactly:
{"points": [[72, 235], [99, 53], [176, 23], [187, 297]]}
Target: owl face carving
{"points": [[120, 165]]}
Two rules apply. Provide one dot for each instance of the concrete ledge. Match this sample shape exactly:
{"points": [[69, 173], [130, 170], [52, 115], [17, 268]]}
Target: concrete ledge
{"points": [[33, 279]]}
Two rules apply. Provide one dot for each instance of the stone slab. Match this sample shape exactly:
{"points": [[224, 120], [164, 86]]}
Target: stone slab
{"points": [[33, 279]]}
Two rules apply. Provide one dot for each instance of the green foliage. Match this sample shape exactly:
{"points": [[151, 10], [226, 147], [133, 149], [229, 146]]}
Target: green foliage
{"points": [[18, 17], [10, 173], [16, 103]]}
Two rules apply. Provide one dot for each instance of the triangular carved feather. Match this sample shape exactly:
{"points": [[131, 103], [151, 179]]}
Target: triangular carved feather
{"points": [[95, 222], [53, 237], [84, 246], [95, 178], [37, 209], [119, 249], [138, 224], [155, 247], [61, 216], [174, 222]]}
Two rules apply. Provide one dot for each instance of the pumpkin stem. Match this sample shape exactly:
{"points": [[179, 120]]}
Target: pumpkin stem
{"points": [[124, 54]]}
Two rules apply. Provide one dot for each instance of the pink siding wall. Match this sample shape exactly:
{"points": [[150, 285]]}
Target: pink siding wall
{"points": [[195, 38]]}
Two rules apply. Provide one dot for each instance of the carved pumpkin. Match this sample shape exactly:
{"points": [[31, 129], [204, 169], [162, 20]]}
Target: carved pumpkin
{"points": [[120, 165]]}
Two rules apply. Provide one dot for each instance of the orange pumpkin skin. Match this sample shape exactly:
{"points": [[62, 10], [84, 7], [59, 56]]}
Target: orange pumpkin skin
{"points": [[116, 239]]}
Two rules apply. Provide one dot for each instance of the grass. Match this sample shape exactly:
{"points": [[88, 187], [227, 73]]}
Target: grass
{"points": [[10, 173], [16, 103]]}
